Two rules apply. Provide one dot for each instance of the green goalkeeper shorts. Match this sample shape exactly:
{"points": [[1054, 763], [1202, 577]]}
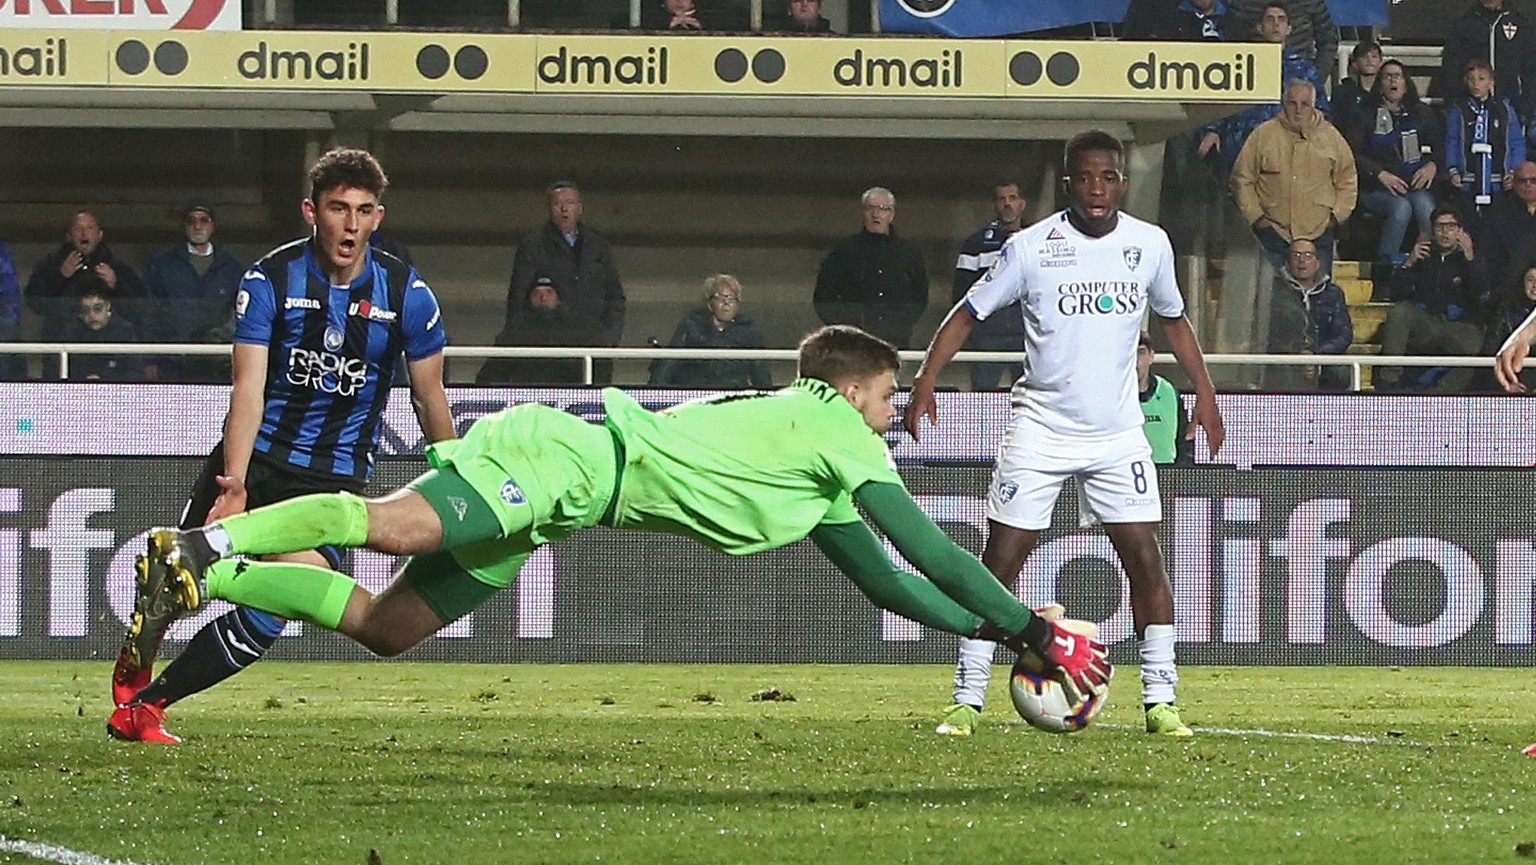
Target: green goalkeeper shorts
{"points": [[518, 479]]}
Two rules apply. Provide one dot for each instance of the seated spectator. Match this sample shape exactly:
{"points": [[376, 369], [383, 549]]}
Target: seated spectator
{"points": [[718, 324], [1511, 307], [82, 261], [803, 16], [1506, 231], [1484, 140], [1349, 96], [190, 290], [1440, 302], [13, 367], [1227, 135], [1308, 315], [544, 320], [1174, 21], [1164, 419], [94, 322], [1295, 178], [1397, 152], [672, 15], [1312, 32]]}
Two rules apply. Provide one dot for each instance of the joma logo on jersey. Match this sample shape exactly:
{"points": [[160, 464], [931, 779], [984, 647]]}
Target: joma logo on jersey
{"points": [[1098, 298], [326, 372], [371, 312], [301, 303]]}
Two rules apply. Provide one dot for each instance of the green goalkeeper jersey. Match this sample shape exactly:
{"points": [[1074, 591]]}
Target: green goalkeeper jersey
{"points": [[745, 472]]}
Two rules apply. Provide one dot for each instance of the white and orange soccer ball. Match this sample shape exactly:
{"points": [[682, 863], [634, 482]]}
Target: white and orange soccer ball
{"points": [[1040, 699]]}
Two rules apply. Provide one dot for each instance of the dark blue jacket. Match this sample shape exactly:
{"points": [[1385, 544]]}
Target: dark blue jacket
{"points": [[188, 307], [697, 330]]}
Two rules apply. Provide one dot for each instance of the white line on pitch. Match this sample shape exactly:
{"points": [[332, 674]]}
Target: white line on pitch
{"points": [[54, 853], [1272, 734]]}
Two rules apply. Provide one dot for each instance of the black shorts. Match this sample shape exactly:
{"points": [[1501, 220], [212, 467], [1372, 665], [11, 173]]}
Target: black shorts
{"points": [[265, 484]]}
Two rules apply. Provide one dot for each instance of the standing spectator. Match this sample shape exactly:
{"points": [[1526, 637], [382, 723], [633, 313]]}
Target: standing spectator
{"points": [[64, 274], [1308, 315], [1483, 139], [874, 280], [718, 324], [803, 16], [1296, 178], [1507, 228], [1350, 95], [1439, 303], [1492, 31], [1174, 20], [580, 265], [1003, 330], [1164, 419], [673, 15], [1397, 151], [12, 366], [1313, 33], [94, 322], [1228, 134], [190, 291], [544, 321]]}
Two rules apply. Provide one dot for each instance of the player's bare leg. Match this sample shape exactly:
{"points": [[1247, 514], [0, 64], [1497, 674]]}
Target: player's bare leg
{"points": [[1004, 553], [1152, 610]]}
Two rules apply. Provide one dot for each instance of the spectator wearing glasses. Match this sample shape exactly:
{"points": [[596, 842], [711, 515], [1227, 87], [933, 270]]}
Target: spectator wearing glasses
{"points": [[94, 323], [718, 324], [1483, 140], [1440, 301], [874, 280], [1506, 231], [1308, 315], [1396, 142]]}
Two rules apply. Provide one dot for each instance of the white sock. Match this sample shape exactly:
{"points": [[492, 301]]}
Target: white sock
{"points": [[974, 672], [219, 540], [1159, 675]]}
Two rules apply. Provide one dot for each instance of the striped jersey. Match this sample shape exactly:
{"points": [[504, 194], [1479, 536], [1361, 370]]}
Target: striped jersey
{"points": [[332, 352]]}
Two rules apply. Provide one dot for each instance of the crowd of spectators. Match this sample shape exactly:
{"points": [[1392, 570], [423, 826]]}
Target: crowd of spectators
{"points": [[1439, 188]]}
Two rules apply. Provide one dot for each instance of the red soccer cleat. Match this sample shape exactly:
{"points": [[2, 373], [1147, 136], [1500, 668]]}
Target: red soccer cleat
{"points": [[128, 679], [140, 722], [1530, 751]]}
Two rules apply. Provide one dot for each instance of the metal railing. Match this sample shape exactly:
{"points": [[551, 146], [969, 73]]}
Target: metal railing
{"points": [[1356, 362]]}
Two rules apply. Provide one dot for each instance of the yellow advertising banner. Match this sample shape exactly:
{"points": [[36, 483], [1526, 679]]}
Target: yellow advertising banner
{"points": [[1179, 71], [659, 64], [768, 66], [70, 58], [296, 60]]}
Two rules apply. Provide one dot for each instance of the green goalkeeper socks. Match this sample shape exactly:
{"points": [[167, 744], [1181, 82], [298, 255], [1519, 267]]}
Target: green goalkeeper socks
{"points": [[298, 524], [288, 589]]}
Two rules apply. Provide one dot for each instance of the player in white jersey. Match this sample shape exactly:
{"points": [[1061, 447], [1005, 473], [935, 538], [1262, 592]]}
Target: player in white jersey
{"points": [[1084, 279]]}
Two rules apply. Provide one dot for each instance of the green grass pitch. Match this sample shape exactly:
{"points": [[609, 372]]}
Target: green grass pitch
{"points": [[300, 763]]}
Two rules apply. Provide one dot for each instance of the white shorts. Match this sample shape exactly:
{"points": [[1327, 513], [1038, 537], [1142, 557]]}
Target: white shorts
{"points": [[1116, 479]]}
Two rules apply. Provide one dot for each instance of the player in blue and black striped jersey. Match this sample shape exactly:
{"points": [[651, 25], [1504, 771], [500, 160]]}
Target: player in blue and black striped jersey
{"points": [[321, 325]]}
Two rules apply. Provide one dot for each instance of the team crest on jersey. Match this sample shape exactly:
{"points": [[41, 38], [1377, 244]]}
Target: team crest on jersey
{"points": [[1006, 490], [242, 302], [333, 338], [512, 494], [369, 311], [1132, 256]]}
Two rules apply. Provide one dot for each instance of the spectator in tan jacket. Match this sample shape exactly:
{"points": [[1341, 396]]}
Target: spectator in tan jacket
{"points": [[1295, 178]]}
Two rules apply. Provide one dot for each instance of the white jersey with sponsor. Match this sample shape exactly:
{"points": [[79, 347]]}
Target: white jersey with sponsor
{"points": [[1083, 300]]}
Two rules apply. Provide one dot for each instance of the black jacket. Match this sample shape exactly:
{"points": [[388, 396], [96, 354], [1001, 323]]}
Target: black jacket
{"points": [[1446, 285], [52, 296], [1506, 237], [585, 275], [697, 330], [1375, 134], [186, 307], [1172, 21], [1504, 38], [874, 281], [103, 367], [787, 24]]}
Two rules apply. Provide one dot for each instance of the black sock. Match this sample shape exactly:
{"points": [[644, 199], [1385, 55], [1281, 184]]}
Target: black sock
{"points": [[224, 647]]}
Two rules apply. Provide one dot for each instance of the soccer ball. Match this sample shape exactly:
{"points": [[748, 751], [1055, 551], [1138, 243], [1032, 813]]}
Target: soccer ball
{"points": [[1040, 699]]}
